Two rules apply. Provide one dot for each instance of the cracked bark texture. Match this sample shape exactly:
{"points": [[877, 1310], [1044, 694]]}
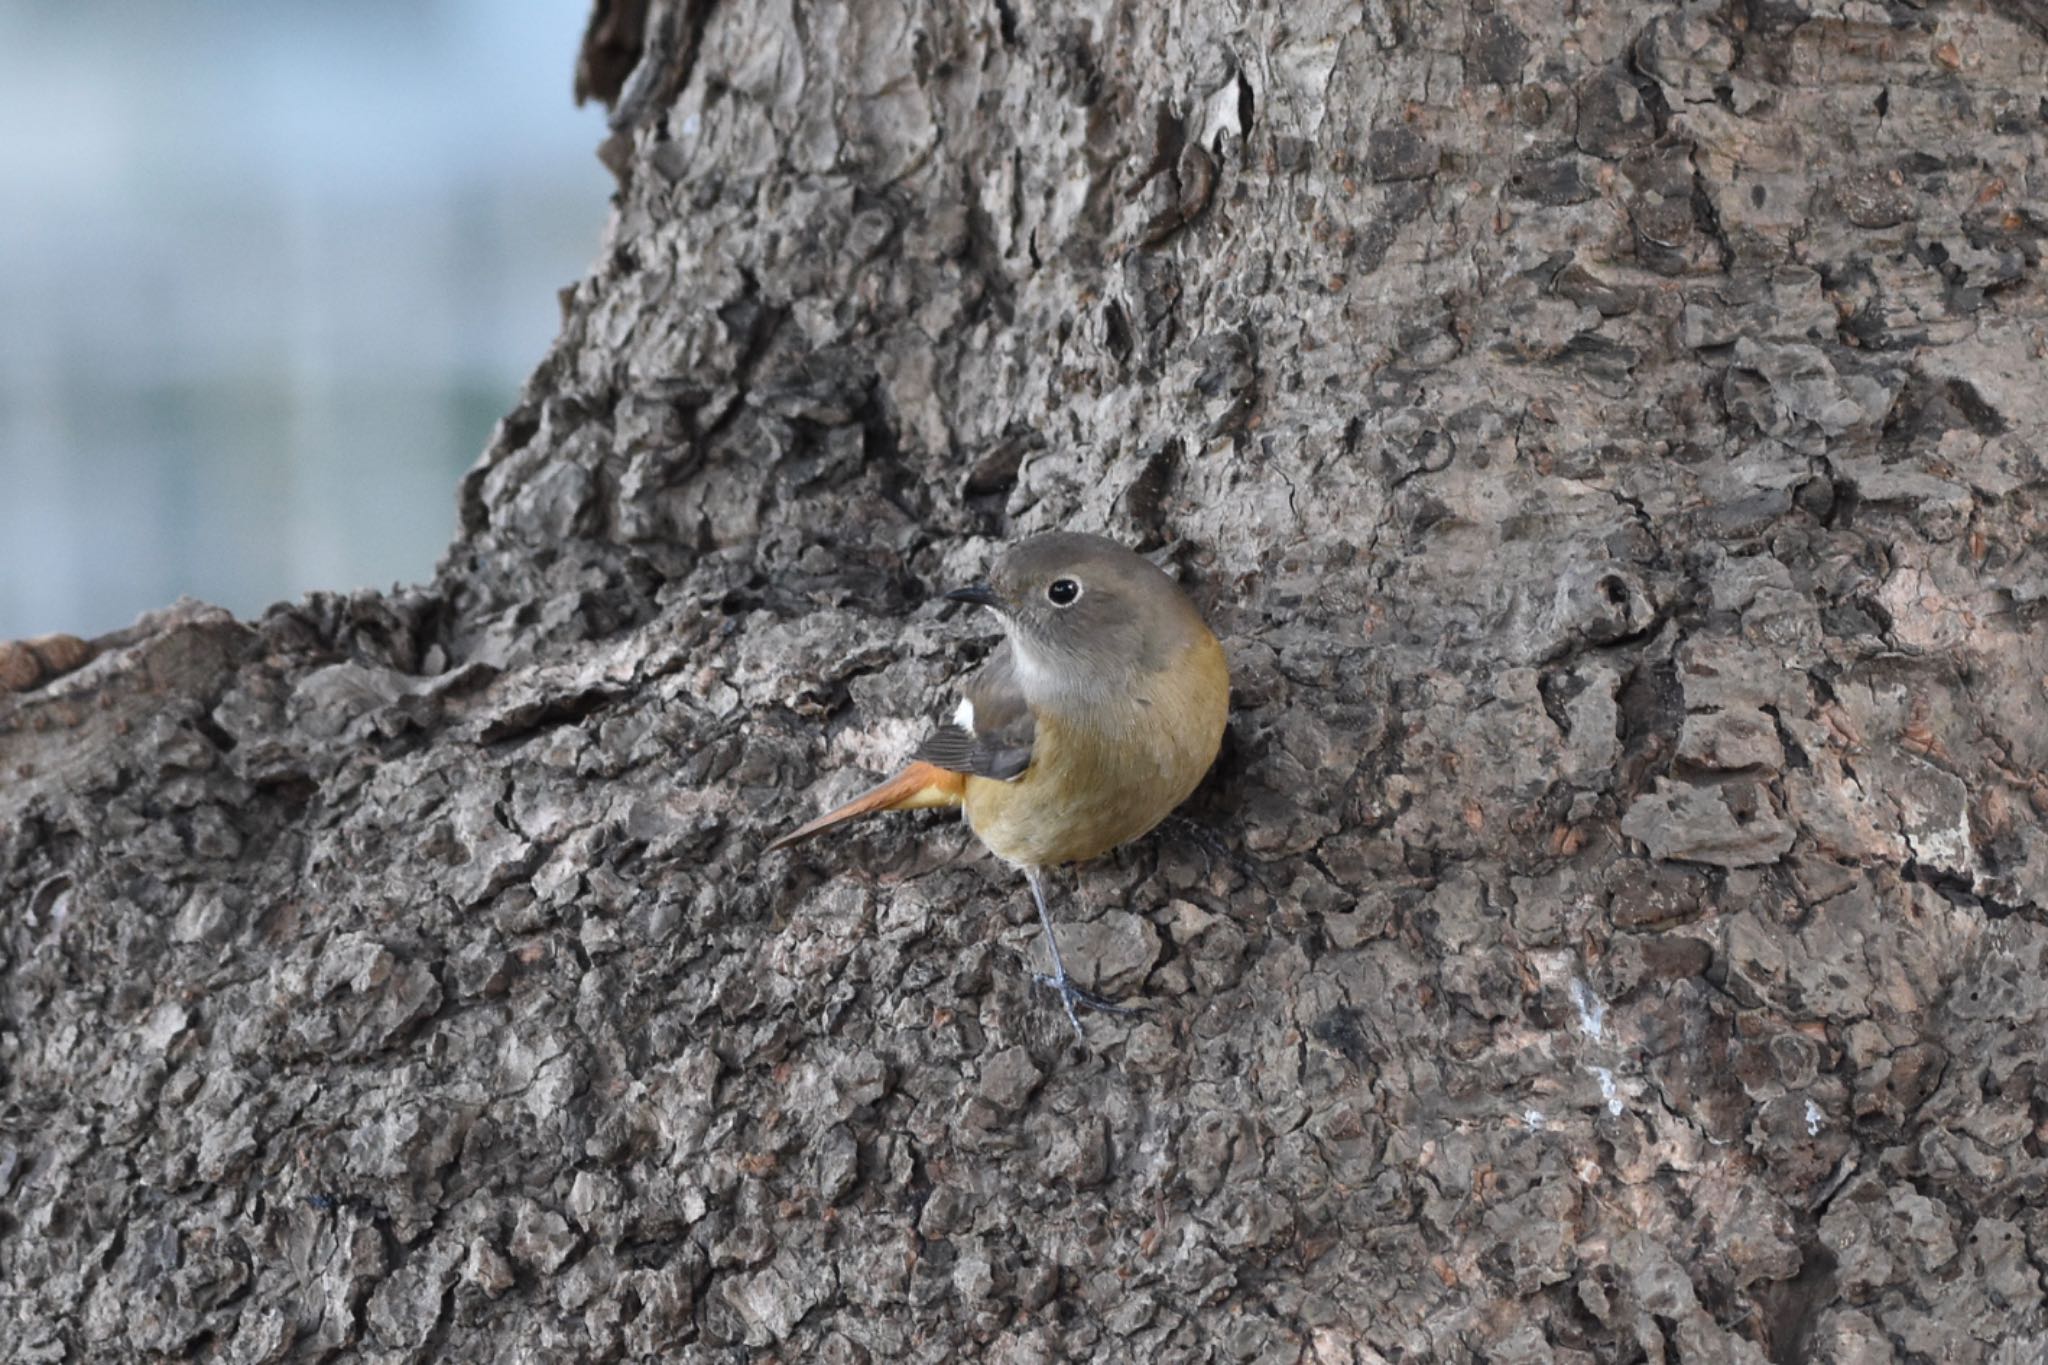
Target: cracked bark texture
{"points": [[1610, 441]]}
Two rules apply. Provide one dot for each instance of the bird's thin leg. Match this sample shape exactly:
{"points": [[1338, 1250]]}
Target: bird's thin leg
{"points": [[1070, 994]]}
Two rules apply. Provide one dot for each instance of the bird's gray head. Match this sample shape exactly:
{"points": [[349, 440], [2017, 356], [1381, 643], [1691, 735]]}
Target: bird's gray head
{"points": [[1084, 614]]}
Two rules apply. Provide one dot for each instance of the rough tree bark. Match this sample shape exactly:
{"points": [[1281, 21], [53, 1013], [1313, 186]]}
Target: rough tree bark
{"points": [[1610, 441]]}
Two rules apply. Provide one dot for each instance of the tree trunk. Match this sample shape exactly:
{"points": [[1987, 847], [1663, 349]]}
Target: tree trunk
{"points": [[1609, 439]]}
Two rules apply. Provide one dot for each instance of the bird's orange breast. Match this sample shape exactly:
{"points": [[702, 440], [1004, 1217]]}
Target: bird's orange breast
{"points": [[1103, 774]]}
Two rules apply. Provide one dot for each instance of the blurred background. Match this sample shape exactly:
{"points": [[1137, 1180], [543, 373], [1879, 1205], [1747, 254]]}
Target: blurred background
{"points": [[268, 274]]}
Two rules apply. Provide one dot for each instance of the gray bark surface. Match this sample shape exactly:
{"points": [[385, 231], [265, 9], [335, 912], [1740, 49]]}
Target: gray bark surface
{"points": [[1608, 438]]}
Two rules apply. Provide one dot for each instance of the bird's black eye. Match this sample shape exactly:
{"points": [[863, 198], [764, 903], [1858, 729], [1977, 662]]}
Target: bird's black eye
{"points": [[1062, 592]]}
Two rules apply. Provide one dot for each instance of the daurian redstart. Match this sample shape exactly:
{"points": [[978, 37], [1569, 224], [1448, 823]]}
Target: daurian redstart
{"points": [[1098, 714]]}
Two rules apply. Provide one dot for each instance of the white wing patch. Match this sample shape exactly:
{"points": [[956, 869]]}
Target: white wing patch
{"points": [[963, 715]]}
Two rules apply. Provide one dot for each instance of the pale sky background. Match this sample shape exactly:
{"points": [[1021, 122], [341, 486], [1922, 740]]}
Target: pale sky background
{"points": [[268, 273]]}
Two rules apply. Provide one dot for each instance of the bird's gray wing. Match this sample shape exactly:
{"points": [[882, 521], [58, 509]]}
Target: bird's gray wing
{"points": [[991, 734]]}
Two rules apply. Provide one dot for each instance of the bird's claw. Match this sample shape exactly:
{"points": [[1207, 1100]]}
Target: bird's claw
{"points": [[1072, 995]]}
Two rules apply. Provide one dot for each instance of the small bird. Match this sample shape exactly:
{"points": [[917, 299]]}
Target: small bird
{"points": [[1097, 715]]}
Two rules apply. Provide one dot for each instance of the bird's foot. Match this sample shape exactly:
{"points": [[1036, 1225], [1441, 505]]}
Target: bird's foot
{"points": [[1072, 995], [1213, 848]]}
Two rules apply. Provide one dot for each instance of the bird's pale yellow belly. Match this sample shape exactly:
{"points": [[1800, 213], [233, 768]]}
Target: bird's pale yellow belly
{"points": [[1106, 776]]}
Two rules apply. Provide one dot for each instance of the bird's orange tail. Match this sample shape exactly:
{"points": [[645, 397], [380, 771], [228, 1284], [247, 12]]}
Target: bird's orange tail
{"points": [[921, 786]]}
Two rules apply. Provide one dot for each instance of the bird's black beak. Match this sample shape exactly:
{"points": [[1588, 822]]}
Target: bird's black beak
{"points": [[980, 594]]}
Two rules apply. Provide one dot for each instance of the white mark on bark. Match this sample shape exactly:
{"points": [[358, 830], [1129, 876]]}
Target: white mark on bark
{"points": [[1945, 848], [1592, 1009], [1609, 1091]]}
